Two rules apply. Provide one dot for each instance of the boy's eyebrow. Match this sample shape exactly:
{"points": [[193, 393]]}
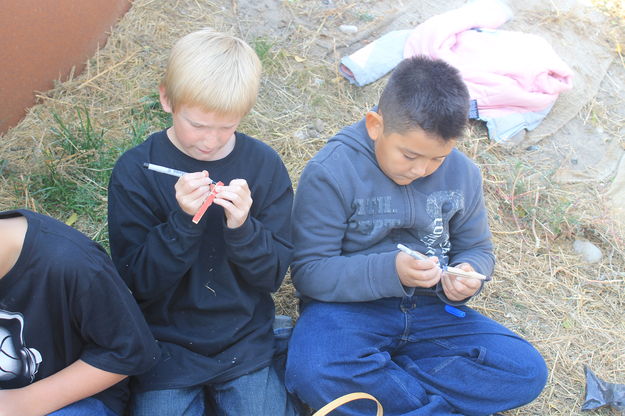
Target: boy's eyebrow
{"points": [[197, 123], [412, 152]]}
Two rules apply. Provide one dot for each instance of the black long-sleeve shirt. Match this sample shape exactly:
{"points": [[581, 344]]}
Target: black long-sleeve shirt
{"points": [[205, 289]]}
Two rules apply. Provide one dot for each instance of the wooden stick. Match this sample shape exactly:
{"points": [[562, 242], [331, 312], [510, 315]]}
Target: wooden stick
{"points": [[207, 203], [450, 269], [470, 275]]}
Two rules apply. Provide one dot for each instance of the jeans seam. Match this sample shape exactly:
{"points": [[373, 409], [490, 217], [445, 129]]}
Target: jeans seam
{"points": [[405, 336], [408, 392], [444, 364], [482, 355], [443, 343]]}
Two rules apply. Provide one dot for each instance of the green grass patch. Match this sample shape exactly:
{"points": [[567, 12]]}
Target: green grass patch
{"points": [[77, 165], [262, 46]]}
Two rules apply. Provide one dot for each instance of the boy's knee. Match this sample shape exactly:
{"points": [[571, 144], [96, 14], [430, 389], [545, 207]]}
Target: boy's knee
{"points": [[534, 379], [299, 373], [539, 379], [303, 379]]}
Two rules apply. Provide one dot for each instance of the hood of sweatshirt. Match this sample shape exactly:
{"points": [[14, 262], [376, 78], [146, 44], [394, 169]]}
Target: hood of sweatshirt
{"points": [[357, 138]]}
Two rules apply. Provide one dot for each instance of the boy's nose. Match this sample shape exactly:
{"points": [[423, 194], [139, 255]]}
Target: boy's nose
{"points": [[210, 137], [418, 169]]}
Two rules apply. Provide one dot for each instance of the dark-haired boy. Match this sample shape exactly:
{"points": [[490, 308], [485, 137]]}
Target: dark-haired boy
{"points": [[70, 331], [373, 318]]}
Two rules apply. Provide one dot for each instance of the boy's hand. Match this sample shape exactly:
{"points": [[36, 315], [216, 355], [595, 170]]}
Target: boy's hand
{"points": [[417, 273], [458, 288], [236, 200], [191, 191]]}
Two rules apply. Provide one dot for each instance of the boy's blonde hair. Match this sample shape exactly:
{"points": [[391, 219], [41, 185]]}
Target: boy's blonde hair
{"points": [[214, 71]]}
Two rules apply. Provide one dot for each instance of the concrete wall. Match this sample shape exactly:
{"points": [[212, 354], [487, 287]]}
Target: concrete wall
{"points": [[41, 40]]}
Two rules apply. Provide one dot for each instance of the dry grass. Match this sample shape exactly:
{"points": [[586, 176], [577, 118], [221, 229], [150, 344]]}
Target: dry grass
{"points": [[570, 310]]}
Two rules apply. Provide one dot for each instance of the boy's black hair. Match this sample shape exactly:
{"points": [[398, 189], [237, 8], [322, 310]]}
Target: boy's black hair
{"points": [[425, 93]]}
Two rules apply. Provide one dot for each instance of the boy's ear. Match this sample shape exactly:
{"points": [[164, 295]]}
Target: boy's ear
{"points": [[164, 100], [375, 125]]}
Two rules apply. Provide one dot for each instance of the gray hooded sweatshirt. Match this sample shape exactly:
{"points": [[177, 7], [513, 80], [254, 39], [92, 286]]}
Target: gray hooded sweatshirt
{"points": [[348, 218]]}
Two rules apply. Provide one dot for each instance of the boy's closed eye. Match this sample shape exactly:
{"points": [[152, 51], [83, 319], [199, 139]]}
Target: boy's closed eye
{"points": [[201, 126], [415, 157]]}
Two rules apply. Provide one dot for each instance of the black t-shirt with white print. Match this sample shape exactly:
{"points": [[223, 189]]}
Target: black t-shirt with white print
{"points": [[63, 301]]}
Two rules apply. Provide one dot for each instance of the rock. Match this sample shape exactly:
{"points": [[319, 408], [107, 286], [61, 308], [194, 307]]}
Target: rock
{"points": [[348, 29], [301, 135], [318, 125], [589, 252], [312, 132]]}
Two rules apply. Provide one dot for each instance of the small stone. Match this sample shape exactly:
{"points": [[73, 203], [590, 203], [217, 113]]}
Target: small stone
{"points": [[312, 132], [318, 125], [318, 82], [348, 28], [589, 252], [300, 135]]}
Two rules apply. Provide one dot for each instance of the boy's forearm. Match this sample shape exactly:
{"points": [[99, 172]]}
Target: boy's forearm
{"points": [[471, 237], [264, 260], [320, 269], [150, 263], [75, 382], [261, 248]]}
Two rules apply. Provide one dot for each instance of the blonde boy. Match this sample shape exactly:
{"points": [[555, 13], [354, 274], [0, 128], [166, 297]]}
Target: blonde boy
{"points": [[205, 288]]}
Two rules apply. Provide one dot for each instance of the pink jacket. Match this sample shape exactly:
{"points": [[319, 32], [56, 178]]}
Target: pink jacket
{"points": [[505, 71]]}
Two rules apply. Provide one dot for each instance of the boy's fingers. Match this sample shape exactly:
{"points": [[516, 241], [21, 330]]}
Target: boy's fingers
{"points": [[237, 192], [422, 264], [191, 182], [458, 288], [193, 193], [452, 292], [469, 283], [238, 182], [466, 267], [235, 216], [194, 176], [428, 279], [228, 195]]}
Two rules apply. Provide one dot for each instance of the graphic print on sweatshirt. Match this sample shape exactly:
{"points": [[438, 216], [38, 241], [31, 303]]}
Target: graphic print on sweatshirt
{"points": [[18, 363], [441, 206], [372, 214]]}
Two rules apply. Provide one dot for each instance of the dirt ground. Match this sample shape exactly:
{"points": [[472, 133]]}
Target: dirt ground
{"points": [[542, 289]]}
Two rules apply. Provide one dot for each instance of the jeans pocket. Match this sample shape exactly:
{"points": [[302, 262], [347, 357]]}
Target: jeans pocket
{"points": [[282, 330]]}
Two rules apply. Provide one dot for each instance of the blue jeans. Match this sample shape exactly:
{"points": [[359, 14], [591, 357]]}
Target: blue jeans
{"points": [[256, 394], [260, 393], [85, 407], [413, 356]]}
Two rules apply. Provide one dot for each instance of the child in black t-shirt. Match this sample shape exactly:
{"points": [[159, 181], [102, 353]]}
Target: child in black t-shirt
{"points": [[70, 331]]}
